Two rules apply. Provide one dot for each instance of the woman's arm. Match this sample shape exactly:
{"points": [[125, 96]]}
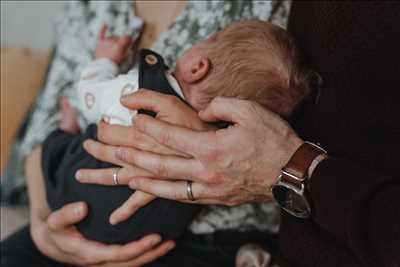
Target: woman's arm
{"points": [[56, 237], [36, 189]]}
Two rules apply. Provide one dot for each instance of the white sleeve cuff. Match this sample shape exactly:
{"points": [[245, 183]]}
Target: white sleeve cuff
{"points": [[100, 69]]}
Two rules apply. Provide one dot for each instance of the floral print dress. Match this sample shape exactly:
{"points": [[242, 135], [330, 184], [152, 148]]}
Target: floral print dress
{"points": [[75, 41]]}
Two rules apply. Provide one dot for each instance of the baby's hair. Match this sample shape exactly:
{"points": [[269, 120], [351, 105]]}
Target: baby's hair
{"points": [[258, 61]]}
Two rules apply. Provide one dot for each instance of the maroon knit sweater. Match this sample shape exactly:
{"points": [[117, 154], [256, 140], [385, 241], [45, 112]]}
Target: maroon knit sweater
{"points": [[355, 46]]}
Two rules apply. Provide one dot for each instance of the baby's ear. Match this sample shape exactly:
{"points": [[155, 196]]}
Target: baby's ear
{"points": [[198, 70]]}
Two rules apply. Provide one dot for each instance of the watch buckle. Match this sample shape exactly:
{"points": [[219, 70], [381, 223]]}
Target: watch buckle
{"points": [[298, 190], [292, 176]]}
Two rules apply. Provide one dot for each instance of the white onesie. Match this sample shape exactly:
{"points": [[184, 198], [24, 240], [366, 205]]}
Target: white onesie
{"points": [[100, 89]]}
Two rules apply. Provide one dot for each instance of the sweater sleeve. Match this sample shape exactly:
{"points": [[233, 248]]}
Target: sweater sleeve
{"points": [[360, 208]]}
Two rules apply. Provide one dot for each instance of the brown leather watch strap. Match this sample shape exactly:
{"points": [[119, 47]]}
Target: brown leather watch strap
{"points": [[295, 171]]}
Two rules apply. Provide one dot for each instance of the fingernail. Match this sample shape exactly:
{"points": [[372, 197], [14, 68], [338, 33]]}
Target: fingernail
{"points": [[171, 246], [155, 241], [78, 209], [85, 144], [123, 98], [113, 221], [78, 175], [105, 119]]}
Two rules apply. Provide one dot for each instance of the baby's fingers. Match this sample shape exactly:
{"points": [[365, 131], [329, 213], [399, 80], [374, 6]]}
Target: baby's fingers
{"points": [[136, 201], [125, 42], [102, 33], [110, 176]]}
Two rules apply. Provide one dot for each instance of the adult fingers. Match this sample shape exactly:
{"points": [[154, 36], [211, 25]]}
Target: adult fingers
{"points": [[118, 135], [176, 190], [178, 138], [105, 176], [136, 201], [68, 215], [162, 166], [102, 152], [132, 250], [148, 100], [147, 257], [152, 255], [102, 32], [225, 109], [91, 252]]}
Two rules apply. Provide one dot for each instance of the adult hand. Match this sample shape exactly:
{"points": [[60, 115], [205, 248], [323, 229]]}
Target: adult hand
{"points": [[104, 177], [56, 237], [229, 166], [168, 108]]}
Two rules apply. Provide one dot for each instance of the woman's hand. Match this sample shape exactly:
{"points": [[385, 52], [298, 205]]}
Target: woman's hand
{"points": [[104, 177], [56, 237], [228, 166], [168, 108]]}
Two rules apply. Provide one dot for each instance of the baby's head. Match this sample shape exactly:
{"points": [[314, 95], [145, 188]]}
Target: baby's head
{"points": [[251, 60]]}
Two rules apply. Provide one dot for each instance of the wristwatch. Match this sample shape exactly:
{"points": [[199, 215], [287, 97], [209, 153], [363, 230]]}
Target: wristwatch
{"points": [[291, 190]]}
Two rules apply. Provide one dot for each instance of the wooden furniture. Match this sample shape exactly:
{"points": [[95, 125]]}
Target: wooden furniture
{"points": [[22, 73]]}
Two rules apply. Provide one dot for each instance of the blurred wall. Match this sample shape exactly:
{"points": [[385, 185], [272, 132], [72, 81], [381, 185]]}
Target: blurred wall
{"points": [[29, 23]]}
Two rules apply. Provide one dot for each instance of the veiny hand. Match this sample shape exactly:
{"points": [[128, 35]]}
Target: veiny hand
{"points": [[114, 48], [56, 237], [171, 110], [229, 166]]}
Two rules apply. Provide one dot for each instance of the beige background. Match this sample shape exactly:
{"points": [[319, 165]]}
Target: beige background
{"points": [[26, 39]]}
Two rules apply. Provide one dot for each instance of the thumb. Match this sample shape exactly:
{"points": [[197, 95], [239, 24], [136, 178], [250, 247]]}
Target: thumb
{"points": [[68, 215], [145, 99], [223, 109]]}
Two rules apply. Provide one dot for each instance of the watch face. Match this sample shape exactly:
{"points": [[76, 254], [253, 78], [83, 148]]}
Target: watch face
{"points": [[291, 201]]}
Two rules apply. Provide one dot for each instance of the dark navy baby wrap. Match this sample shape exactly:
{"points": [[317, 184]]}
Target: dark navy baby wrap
{"points": [[63, 155]]}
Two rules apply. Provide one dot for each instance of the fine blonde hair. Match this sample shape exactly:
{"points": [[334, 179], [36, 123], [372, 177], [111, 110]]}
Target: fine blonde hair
{"points": [[258, 61]]}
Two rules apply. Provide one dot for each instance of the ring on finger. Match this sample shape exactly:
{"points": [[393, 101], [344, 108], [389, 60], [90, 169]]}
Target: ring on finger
{"points": [[115, 176], [189, 190]]}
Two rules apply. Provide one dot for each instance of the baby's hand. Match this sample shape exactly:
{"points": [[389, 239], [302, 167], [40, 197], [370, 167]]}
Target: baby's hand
{"points": [[69, 119], [114, 48]]}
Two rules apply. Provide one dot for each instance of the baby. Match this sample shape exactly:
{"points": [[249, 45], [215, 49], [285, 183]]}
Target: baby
{"points": [[251, 60]]}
